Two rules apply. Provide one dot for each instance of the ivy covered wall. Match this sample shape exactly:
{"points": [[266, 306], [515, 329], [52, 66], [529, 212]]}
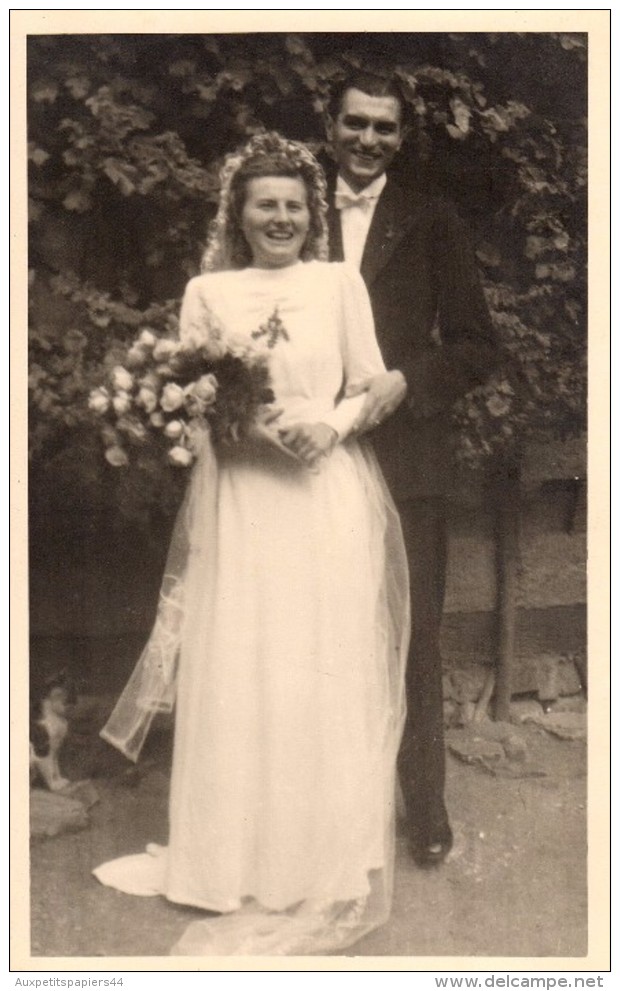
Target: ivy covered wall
{"points": [[125, 137]]}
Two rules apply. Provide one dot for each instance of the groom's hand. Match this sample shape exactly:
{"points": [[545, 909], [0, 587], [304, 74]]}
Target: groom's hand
{"points": [[384, 393]]}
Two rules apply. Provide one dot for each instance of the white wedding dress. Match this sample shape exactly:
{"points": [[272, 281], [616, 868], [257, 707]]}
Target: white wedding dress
{"points": [[291, 607]]}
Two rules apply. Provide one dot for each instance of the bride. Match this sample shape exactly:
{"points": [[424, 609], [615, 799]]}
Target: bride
{"points": [[289, 592]]}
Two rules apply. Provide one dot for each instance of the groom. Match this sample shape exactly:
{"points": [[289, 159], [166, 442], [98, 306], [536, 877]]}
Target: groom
{"points": [[437, 341]]}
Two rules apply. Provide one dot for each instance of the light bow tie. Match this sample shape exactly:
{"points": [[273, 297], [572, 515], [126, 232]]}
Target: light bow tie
{"points": [[343, 200]]}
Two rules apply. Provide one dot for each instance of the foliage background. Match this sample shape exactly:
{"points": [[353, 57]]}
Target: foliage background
{"points": [[126, 134]]}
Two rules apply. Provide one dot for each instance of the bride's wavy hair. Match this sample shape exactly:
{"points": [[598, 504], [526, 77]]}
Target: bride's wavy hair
{"points": [[266, 154]]}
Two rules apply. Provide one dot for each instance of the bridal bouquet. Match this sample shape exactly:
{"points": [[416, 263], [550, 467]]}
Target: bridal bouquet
{"points": [[165, 391]]}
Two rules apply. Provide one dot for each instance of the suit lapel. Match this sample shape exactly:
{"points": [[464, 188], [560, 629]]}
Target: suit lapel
{"points": [[389, 224]]}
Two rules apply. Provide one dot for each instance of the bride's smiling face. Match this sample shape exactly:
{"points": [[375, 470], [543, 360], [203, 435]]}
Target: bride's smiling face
{"points": [[275, 219]]}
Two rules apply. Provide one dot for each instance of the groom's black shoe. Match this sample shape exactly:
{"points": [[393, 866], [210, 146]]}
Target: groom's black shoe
{"points": [[433, 853]]}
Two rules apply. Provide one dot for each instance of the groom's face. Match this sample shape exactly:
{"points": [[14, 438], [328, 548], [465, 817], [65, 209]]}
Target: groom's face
{"points": [[365, 135]]}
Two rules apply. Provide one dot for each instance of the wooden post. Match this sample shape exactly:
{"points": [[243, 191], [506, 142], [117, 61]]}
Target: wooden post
{"points": [[507, 508]]}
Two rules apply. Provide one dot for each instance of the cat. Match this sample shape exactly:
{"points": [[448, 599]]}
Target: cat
{"points": [[48, 729]]}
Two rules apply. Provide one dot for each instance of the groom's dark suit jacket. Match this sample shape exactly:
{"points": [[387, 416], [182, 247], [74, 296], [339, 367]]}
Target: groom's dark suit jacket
{"points": [[432, 323]]}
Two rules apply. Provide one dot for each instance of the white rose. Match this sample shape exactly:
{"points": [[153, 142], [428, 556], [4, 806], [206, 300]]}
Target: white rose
{"points": [[147, 338], [116, 456], [150, 381], [99, 400], [147, 399], [200, 394], [172, 397], [193, 405], [174, 429], [180, 456], [164, 349], [205, 389], [121, 403], [136, 356], [157, 419], [121, 378]]}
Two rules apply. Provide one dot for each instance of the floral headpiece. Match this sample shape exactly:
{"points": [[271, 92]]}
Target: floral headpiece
{"points": [[226, 247]]}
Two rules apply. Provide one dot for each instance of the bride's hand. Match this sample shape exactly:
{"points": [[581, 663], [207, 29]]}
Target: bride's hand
{"points": [[310, 441], [268, 414], [264, 431]]}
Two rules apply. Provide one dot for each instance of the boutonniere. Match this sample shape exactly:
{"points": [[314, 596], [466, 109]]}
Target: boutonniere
{"points": [[388, 236]]}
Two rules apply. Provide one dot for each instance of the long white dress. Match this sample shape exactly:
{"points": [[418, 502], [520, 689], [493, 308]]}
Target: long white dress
{"points": [[289, 702]]}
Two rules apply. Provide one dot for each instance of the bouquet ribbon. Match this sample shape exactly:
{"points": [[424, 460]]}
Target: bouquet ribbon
{"points": [[151, 689]]}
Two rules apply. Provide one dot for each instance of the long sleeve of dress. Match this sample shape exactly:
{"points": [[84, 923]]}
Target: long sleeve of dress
{"points": [[197, 323], [360, 350]]}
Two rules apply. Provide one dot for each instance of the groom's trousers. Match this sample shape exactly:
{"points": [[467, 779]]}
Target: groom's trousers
{"points": [[421, 762]]}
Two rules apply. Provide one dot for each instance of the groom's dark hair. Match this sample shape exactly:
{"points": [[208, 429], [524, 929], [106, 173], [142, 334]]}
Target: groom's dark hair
{"points": [[369, 83]]}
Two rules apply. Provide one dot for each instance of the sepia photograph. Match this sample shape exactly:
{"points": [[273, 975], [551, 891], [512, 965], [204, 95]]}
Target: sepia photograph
{"points": [[308, 660]]}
